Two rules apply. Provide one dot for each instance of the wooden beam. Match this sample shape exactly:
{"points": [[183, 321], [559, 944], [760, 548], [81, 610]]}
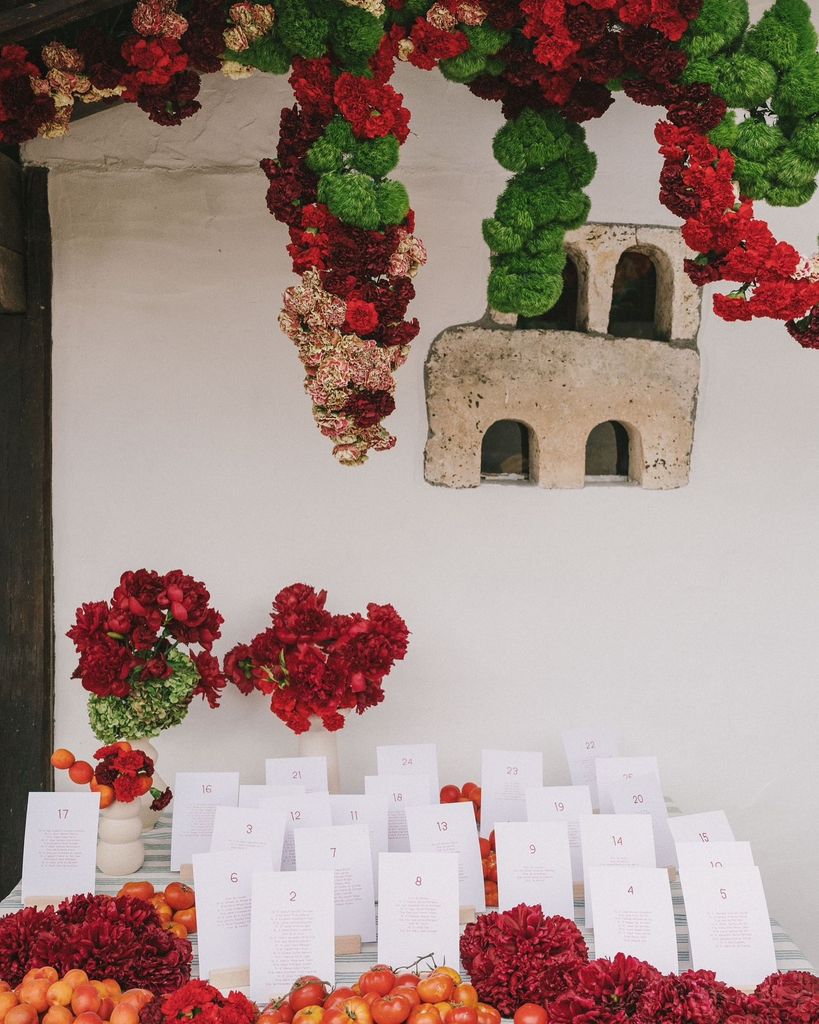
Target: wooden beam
{"points": [[26, 563], [28, 20], [12, 238]]}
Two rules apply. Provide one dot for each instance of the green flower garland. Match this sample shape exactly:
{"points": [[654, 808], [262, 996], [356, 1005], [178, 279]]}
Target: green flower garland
{"points": [[152, 706]]}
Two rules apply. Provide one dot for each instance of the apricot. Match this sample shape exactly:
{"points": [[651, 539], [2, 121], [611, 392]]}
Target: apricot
{"points": [[75, 977], [81, 772], [4, 986], [106, 795], [137, 997], [7, 1001], [112, 986], [85, 999], [125, 1013], [62, 758], [100, 987], [106, 1008], [35, 993], [59, 993], [88, 1017], [58, 1015], [21, 1014]]}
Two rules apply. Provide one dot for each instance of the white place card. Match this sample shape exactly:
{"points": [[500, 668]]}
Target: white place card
{"points": [[418, 907], [60, 846], [582, 747], [223, 882], [705, 827], [505, 777], [643, 795], [301, 810], [614, 840], [728, 924], [633, 914], [566, 804], [249, 828], [250, 795], [534, 866], [362, 809], [344, 850], [411, 759], [716, 855], [620, 769], [451, 828], [310, 772], [292, 930], [401, 791], [196, 795]]}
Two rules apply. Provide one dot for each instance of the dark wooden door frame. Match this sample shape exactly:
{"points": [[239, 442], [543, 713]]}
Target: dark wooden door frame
{"points": [[26, 558]]}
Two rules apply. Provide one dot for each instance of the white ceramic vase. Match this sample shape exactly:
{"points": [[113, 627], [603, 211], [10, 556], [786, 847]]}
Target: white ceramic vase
{"points": [[318, 742], [149, 817], [120, 849]]}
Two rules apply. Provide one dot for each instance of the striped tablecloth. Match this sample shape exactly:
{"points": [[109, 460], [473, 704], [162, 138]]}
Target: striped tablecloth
{"points": [[156, 869]]}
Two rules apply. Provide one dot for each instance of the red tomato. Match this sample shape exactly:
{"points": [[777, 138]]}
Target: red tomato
{"points": [[475, 795], [530, 1013], [187, 918], [408, 978], [468, 788], [281, 1006], [356, 1009], [437, 988], [485, 847], [274, 1017], [449, 794], [492, 839], [380, 980], [337, 997], [487, 1014], [309, 1015], [466, 995], [335, 1015], [424, 1014], [370, 997], [491, 868], [179, 896], [307, 992], [409, 992], [461, 1015], [391, 1009], [142, 890]]}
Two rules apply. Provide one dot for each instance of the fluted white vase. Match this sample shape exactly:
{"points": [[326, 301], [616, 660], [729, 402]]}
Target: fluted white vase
{"points": [[149, 817], [120, 849], [318, 742]]}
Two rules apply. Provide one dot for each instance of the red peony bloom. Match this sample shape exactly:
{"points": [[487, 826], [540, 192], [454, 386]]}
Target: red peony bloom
{"points": [[520, 956], [299, 615], [105, 667], [211, 678]]}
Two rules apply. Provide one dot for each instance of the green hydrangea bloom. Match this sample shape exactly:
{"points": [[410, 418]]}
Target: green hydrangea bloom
{"points": [[151, 707]]}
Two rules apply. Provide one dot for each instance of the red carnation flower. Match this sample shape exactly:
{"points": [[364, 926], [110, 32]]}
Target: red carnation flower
{"points": [[694, 997], [126, 788], [362, 317], [604, 992], [372, 108], [791, 997]]}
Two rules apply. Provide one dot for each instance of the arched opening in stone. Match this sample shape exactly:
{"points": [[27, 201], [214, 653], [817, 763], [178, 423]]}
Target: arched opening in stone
{"points": [[563, 315], [505, 450], [633, 311], [607, 452]]}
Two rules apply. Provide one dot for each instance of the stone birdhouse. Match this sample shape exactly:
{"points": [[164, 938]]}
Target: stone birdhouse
{"points": [[601, 389]]}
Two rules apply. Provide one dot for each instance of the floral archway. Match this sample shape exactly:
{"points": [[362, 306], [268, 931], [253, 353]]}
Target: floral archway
{"points": [[741, 125]]}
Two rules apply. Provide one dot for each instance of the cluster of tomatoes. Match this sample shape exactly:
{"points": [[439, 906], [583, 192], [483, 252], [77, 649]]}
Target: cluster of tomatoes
{"points": [[175, 905], [43, 997], [382, 996], [470, 792]]}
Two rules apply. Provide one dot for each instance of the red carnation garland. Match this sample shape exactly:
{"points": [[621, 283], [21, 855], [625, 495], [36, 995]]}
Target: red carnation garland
{"points": [[310, 662]]}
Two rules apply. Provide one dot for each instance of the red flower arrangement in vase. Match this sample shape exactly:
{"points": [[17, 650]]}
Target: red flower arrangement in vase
{"points": [[315, 664]]}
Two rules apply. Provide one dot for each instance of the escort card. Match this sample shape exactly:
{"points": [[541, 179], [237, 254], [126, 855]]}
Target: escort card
{"points": [[633, 914], [566, 804], [411, 759], [310, 772], [705, 827], [249, 828], [60, 846], [720, 854], [643, 795], [620, 769], [614, 840], [401, 791], [249, 796], [418, 907], [302, 810], [582, 747], [534, 866], [223, 882], [372, 811], [451, 828], [505, 777], [344, 850], [292, 930], [729, 925], [196, 795]]}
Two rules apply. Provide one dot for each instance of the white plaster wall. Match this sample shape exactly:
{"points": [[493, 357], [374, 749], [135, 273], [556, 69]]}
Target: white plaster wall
{"points": [[182, 438]]}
